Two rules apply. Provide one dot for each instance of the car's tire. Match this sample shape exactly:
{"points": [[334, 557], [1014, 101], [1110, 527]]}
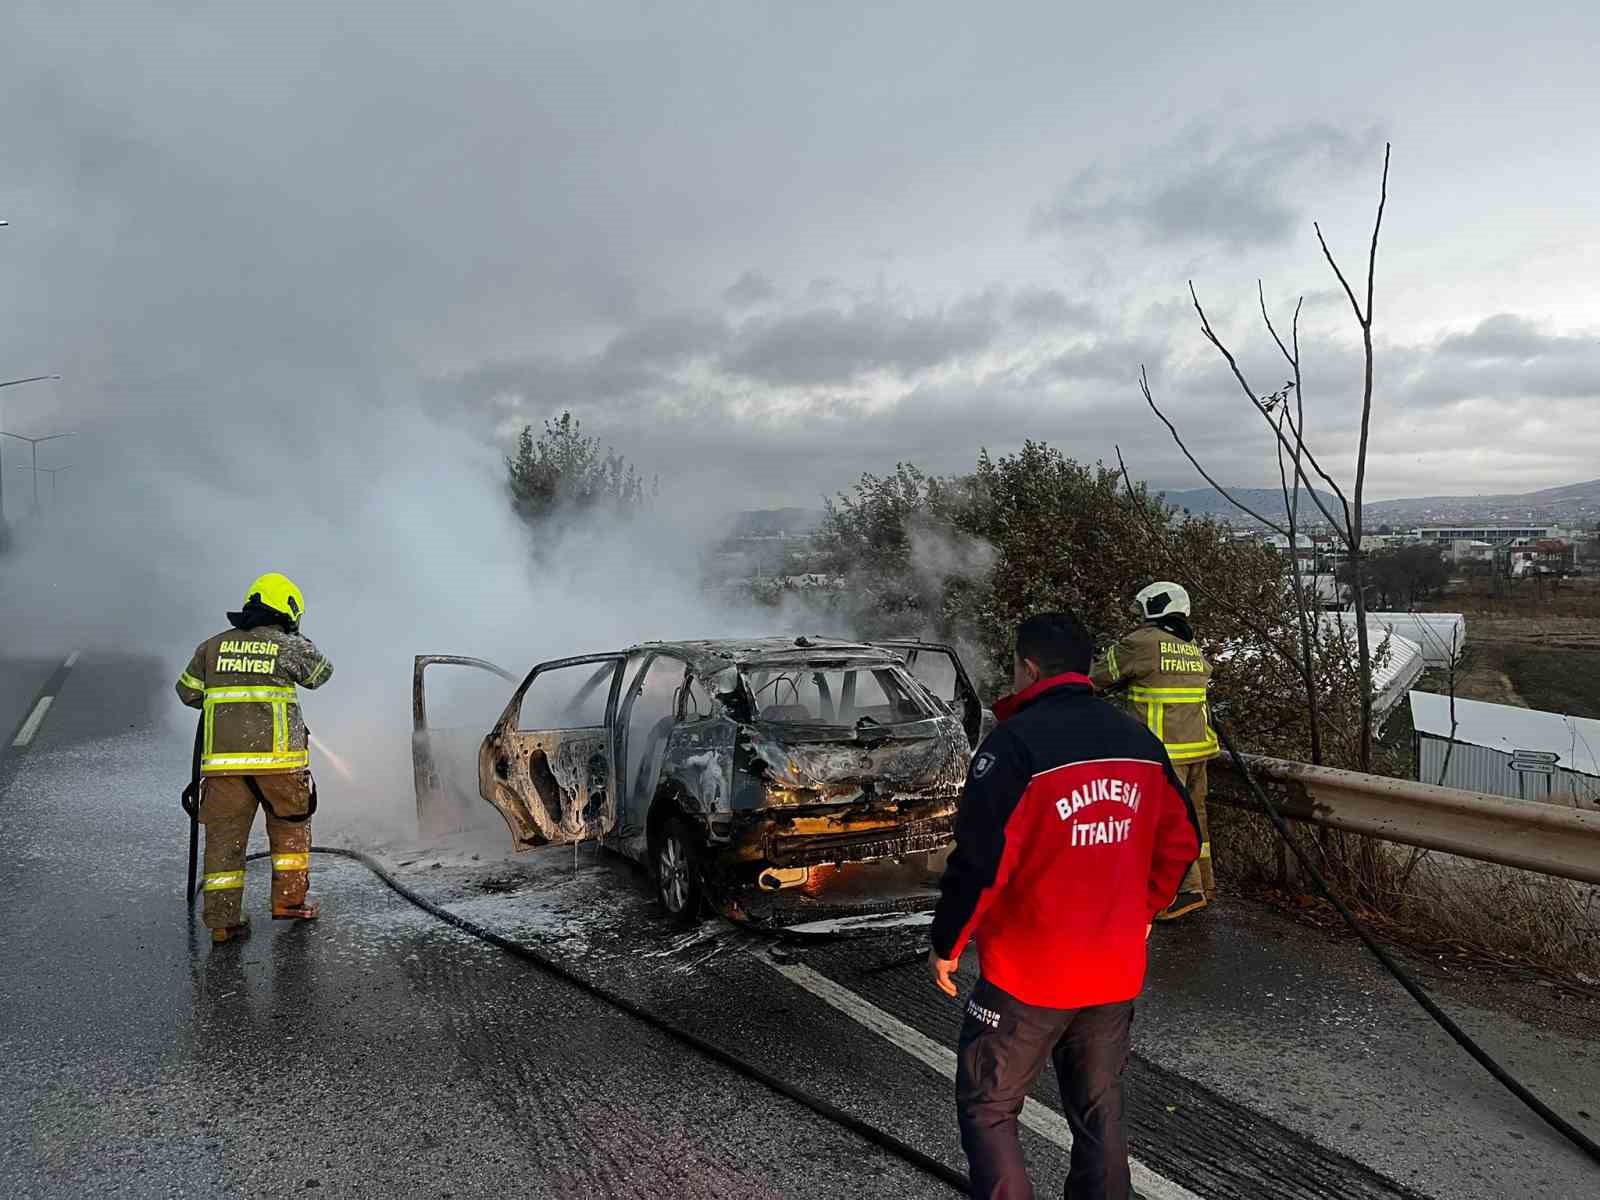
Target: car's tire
{"points": [[679, 869]]}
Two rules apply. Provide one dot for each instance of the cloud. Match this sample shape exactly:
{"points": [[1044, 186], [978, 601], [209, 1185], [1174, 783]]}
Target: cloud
{"points": [[1109, 360], [750, 289], [814, 348], [1503, 358], [841, 345], [1239, 194], [1046, 308], [216, 234], [1508, 336], [666, 341]]}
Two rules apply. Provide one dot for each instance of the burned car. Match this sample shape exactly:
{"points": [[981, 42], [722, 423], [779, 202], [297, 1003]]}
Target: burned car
{"points": [[722, 766]]}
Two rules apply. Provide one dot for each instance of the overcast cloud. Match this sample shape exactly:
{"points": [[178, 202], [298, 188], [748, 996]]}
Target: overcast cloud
{"points": [[762, 249]]}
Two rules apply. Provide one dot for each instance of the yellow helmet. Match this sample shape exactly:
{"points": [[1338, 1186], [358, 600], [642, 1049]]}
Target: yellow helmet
{"points": [[278, 593]]}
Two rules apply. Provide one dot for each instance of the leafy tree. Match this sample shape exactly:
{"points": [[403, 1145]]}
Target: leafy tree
{"points": [[563, 470], [1401, 577]]}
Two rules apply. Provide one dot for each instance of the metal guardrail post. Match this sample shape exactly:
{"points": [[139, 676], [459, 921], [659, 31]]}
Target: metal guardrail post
{"points": [[1528, 834]]}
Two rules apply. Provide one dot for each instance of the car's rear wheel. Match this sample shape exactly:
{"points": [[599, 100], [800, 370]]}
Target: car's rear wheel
{"points": [[680, 876]]}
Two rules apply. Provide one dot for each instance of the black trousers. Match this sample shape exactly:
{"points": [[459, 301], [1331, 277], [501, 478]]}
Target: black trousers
{"points": [[1004, 1045]]}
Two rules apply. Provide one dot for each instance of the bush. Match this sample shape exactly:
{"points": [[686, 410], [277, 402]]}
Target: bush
{"points": [[966, 558]]}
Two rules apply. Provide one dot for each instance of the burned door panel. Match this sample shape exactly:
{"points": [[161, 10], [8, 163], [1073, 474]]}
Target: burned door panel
{"points": [[551, 786], [443, 745], [557, 785]]}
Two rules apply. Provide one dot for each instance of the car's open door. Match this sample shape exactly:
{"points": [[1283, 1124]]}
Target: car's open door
{"points": [[941, 670], [549, 764], [445, 736]]}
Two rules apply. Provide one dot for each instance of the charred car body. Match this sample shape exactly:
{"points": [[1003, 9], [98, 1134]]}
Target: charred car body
{"points": [[723, 766]]}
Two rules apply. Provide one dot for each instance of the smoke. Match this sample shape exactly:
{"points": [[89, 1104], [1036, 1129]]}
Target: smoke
{"points": [[941, 555], [397, 527], [249, 270]]}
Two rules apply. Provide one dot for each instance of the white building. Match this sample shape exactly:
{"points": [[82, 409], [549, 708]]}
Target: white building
{"points": [[1505, 750], [1442, 636], [1495, 535], [1402, 666]]}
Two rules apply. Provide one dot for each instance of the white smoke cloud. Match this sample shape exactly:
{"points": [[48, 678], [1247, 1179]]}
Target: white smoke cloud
{"points": [[400, 533]]}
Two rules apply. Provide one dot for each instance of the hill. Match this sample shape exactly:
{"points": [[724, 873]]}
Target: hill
{"points": [[1571, 504], [1204, 502]]}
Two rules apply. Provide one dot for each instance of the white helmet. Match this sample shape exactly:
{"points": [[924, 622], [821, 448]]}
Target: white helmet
{"points": [[1161, 599]]}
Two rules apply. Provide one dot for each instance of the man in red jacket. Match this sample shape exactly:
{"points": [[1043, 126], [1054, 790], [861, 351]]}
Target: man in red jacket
{"points": [[1073, 833]]}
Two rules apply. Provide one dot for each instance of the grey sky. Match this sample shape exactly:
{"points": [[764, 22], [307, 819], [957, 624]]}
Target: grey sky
{"points": [[762, 248]]}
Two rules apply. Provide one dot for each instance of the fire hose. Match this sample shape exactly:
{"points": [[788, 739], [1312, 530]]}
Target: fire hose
{"points": [[868, 1132], [883, 1139]]}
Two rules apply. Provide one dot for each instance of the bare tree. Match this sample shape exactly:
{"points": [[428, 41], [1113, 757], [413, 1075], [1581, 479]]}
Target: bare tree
{"points": [[1300, 469]]}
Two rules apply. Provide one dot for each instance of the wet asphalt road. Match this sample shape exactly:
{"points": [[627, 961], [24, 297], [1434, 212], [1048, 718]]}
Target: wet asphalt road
{"points": [[379, 1052], [366, 1054]]}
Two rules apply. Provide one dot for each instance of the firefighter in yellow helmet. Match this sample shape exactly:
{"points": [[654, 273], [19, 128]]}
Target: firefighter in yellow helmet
{"points": [[254, 751], [1165, 677]]}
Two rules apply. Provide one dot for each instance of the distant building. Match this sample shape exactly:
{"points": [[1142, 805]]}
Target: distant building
{"points": [[1371, 542], [1495, 535], [1471, 551], [1546, 556]]}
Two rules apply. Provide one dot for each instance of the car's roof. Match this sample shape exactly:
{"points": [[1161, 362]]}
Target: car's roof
{"points": [[711, 655]]}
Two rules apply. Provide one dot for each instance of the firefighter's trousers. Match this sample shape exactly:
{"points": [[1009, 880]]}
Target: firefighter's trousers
{"points": [[1200, 877], [228, 809]]}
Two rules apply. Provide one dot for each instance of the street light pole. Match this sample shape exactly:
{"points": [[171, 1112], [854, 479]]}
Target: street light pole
{"points": [[53, 472], [50, 471], [34, 442], [13, 383]]}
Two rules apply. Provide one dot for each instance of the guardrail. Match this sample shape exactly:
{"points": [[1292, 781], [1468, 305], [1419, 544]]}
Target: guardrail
{"points": [[1528, 834]]}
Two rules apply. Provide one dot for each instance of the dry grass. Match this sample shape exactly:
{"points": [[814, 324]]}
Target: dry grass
{"points": [[1523, 599], [1423, 898]]}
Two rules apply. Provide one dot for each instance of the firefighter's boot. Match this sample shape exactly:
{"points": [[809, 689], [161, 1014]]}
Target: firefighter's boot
{"points": [[307, 909], [231, 933]]}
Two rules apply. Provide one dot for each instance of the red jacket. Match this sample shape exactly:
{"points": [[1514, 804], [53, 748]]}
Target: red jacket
{"points": [[1073, 833]]}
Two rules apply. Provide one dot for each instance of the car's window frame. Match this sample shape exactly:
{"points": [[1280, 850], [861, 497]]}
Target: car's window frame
{"points": [[905, 685]]}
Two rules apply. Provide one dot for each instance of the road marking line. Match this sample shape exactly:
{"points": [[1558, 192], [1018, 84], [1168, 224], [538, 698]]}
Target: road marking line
{"points": [[72, 661], [35, 719], [1043, 1120]]}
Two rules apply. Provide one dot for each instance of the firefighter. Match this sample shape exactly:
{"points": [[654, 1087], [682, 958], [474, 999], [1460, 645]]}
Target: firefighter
{"points": [[1166, 676], [254, 751]]}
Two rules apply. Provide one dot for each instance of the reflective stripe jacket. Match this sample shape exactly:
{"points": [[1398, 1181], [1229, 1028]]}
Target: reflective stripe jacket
{"points": [[1166, 678], [244, 682], [1073, 832]]}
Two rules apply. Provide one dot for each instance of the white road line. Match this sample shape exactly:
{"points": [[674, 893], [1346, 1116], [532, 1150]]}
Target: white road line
{"points": [[1044, 1121], [72, 661], [35, 719]]}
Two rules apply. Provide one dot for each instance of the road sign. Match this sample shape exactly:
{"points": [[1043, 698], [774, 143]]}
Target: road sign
{"points": [[1534, 762]]}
